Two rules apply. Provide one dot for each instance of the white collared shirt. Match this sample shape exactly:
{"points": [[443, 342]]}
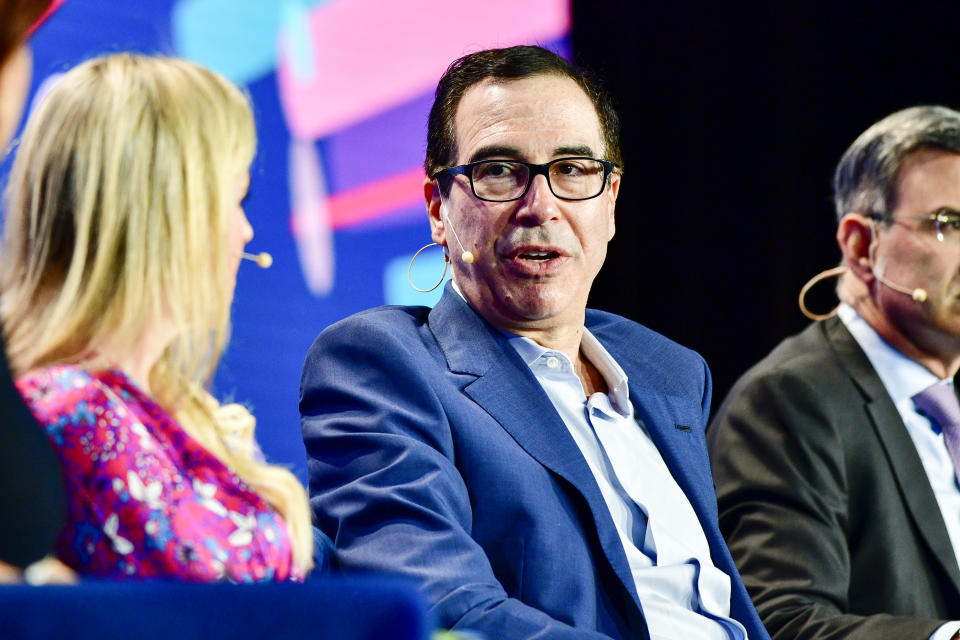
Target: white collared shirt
{"points": [[682, 594], [903, 378]]}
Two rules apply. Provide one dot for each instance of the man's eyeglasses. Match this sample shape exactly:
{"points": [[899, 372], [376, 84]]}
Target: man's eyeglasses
{"points": [[945, 223], [578, 178]]}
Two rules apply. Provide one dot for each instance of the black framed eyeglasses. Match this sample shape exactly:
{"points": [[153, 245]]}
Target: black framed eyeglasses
{"points": [[575, 178], [944, 221]]}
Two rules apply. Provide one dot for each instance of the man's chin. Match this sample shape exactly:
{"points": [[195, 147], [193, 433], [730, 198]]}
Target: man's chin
{"points": [[540, 309], [528, 304]]}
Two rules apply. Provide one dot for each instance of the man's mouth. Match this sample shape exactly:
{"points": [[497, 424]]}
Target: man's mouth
{"points": [[538, 256], [536, 260]]}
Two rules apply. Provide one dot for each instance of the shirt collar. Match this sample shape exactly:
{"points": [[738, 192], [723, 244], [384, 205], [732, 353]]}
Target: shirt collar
{"points": [[617, 382], [453, 283], [902, 377]]}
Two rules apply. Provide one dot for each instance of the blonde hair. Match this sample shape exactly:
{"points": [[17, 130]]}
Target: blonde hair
{"points": [[118, 212]]}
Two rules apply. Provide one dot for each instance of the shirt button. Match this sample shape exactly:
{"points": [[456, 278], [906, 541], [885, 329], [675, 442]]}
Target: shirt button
{"points": [[553, 362]]}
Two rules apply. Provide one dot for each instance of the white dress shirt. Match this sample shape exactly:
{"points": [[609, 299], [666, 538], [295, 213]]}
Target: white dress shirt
{"points": [[903, 378], [682, 594]]}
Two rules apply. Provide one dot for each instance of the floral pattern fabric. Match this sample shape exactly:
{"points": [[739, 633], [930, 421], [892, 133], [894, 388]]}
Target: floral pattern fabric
{"points": [[145, 500]]}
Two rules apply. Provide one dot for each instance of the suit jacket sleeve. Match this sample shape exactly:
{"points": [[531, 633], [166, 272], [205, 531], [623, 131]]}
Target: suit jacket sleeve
{"points": [[383, 480], [32, 503], [782, 487]]}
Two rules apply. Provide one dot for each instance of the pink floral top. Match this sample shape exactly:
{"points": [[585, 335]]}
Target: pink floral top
{"points": [[144, 499]]}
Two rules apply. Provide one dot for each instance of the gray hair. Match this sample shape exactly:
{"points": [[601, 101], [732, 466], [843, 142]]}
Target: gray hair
{"points": [[865, 179]]}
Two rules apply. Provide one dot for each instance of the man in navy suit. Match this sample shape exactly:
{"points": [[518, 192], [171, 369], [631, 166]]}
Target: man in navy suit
{"points": [[538, 468]]}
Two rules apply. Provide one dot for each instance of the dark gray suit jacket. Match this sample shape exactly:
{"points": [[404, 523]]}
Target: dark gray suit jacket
{"points": [[824, 501], [32, 504]]}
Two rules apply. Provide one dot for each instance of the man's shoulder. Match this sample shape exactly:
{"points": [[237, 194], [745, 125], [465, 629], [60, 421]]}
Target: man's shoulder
{"points": [[390, 335], [650, 359], [809, 364], [610, 324], [387, 316], [384, 323], [637, 342], [377, 346], [808, 353]]}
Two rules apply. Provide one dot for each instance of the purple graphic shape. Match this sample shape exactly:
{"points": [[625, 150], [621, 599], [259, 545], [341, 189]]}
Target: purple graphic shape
{"points": [[386, 143]]}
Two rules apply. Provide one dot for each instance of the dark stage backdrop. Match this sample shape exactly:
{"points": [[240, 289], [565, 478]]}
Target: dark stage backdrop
{"points": [[734, 116]]}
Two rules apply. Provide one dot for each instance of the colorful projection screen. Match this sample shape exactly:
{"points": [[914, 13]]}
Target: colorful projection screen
{"points": [[341, 90]]}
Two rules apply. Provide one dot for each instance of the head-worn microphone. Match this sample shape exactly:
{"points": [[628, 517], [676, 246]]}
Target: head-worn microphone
{"points": [[263, 259], [918, 294], [466, 256]]}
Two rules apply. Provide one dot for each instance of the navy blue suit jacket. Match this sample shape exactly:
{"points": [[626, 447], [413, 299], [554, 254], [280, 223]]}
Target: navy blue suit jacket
{"points": [[434, 453]]}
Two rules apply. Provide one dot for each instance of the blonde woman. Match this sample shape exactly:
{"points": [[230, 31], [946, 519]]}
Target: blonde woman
{"points": [[123, 237]]}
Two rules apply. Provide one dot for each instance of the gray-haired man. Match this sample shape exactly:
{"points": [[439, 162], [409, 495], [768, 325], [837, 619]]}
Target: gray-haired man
{"points": [[836, 456]]}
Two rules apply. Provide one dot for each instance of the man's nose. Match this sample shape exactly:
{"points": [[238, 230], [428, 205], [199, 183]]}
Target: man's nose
{"points": [[539, 204]]}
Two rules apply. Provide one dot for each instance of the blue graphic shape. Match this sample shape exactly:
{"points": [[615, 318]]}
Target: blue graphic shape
{"points": [[238, 38], [426, 269], [295, 18]]}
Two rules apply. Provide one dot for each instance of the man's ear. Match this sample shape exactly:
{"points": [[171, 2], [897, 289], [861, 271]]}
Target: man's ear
{"points": [[431, 194], [856, 236], [612, 192]]}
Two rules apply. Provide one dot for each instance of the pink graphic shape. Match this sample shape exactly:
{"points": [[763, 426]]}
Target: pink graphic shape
{"points": [[364, 203], [369, 55]]}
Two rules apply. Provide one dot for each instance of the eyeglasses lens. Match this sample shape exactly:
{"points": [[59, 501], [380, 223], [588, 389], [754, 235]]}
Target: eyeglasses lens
{"points": [[948, 227], [569, 178]]}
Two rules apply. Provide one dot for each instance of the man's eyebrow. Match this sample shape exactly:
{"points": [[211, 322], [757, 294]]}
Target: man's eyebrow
{"points": [[580, 150], [498, 151]]}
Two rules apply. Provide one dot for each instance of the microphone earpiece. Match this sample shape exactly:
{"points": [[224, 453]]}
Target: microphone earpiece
{"points": [[263, 259]]}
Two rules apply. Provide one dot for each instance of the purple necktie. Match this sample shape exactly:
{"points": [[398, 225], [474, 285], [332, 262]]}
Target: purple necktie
{"points": [[939, 403]]}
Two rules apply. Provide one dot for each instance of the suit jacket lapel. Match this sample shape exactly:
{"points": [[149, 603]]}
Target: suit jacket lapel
{"points": [[899, 447], [684, 451], [507, 390], [676, 427]]}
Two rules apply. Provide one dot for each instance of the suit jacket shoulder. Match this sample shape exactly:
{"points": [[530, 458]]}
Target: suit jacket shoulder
{"points": [[656, 361], [823, 499]]}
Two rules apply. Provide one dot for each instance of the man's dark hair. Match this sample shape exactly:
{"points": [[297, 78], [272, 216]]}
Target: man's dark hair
{"points": [[866, 177], [511, 63]]}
